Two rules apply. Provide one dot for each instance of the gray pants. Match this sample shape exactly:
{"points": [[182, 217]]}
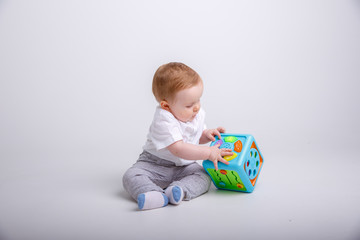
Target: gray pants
{"points": [[151, 173]]}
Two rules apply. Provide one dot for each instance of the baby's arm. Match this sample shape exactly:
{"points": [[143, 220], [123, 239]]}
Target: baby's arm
{"points": [[208, 134], [195, 152]]}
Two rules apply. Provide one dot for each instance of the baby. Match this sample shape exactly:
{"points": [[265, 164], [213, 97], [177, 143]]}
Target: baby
{"points": [[166, 170]]}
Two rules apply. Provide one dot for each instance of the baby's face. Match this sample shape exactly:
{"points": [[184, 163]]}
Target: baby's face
{"points": [[186, 103]]}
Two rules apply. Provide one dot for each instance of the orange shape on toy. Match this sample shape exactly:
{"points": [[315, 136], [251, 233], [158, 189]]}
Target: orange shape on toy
{"points": [[238, 146]]}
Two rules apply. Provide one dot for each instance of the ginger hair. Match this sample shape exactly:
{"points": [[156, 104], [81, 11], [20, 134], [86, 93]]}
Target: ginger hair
{"points": [[171, 78]]}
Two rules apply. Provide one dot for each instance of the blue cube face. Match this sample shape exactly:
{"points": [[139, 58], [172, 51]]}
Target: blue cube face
{"points": [[244, 165], [252, 164]]}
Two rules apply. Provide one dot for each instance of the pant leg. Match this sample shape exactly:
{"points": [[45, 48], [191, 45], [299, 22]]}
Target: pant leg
{"points": [[193, 179], [146, 175]]}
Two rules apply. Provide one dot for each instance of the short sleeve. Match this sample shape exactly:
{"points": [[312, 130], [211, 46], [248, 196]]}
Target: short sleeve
{"points": [[165, 130]]}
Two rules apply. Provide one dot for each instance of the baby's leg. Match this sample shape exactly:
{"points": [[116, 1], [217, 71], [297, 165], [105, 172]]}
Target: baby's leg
{"points": [[145, 181], [137, 180], [139, 184], [193, 180]]}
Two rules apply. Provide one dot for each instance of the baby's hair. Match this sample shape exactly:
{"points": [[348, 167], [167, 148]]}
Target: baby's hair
{"points": [[171, 78]]}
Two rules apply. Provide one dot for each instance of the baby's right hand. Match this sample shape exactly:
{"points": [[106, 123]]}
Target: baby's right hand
{"points": [[217, 153]]}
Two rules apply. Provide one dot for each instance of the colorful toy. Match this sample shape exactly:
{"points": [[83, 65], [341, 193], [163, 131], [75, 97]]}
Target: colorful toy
{"points": [[244, 165]]}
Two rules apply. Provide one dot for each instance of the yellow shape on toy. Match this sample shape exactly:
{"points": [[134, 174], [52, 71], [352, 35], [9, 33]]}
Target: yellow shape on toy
{"points": [[229, 158]]}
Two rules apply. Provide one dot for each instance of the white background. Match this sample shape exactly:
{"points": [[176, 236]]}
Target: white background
{"points": [[76, 104]]}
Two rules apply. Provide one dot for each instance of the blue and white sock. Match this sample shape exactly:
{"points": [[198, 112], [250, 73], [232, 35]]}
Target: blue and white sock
{"points": [[151, 200], [175, 194]]}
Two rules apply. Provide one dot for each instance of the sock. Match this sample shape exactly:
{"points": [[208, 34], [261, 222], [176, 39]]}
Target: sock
{"points": [[175, 194], [152, 199]]}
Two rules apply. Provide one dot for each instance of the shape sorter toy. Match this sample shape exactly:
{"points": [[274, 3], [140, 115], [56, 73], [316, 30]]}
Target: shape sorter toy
{"points": [[244, 165]]}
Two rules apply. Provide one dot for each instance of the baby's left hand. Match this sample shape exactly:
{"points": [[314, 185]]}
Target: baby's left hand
{"points": [[211, 133]]}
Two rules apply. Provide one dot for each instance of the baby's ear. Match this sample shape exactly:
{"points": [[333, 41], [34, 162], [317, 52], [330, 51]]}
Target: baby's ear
{"points": [[165, 105]]}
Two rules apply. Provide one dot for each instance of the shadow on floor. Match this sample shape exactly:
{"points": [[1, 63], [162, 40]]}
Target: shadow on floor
{"points": [[124, 195]]}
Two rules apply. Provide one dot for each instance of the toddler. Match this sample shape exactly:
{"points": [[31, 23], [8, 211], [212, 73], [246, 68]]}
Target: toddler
{"points": [[166, 170]]}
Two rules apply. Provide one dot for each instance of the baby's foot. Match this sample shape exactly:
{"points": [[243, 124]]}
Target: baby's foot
{"points": [[175, 194], [151, 200]]}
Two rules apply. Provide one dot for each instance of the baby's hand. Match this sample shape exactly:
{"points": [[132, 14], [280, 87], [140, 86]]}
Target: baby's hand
{"points": [[216, 154], [211, 133]]}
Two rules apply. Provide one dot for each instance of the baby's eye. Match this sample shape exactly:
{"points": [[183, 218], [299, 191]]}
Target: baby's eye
{"points": [[189, 106]]}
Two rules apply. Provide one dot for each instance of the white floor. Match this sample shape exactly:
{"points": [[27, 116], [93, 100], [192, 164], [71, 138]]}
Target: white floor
{"points": [[295, 198]]}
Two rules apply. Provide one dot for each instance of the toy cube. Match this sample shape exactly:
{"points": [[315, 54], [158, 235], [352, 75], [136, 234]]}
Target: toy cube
{"points": [[244, 165]]}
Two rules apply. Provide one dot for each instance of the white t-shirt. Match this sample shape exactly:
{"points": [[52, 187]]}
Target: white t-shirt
{"points": [[166, 130]]}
